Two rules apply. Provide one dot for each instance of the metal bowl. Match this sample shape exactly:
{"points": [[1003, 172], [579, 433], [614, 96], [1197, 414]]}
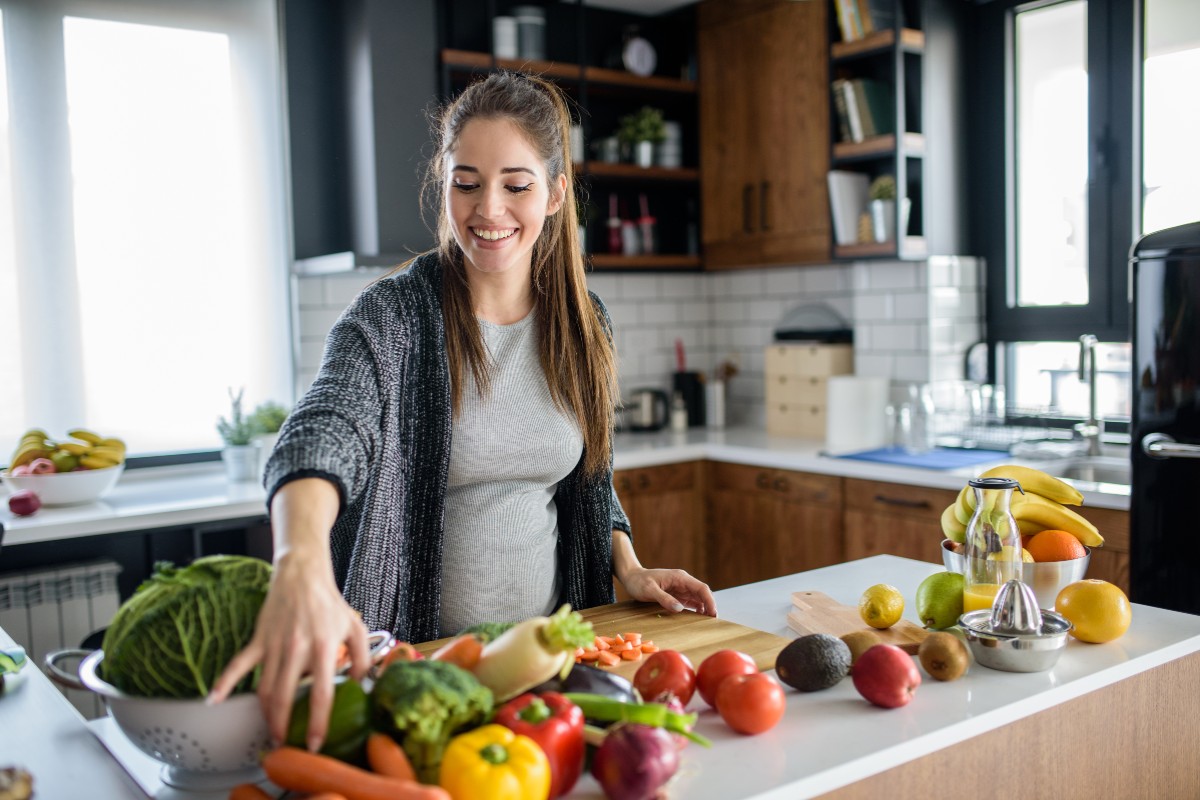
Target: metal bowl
{"points": [[1029, 652], [1047, 578]]}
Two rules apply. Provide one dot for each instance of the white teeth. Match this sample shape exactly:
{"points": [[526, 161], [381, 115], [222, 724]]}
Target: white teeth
{"points": [[492, 236]]}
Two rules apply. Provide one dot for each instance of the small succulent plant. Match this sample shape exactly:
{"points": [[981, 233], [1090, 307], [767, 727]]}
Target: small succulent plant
{"points": [[882, 188]]}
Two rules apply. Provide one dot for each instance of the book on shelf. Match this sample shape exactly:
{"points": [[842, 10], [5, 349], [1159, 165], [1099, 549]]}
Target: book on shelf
{"points": [[841, 111], [848, 110], [850, 22], [876, 15], [876, 112], [847, 202]]}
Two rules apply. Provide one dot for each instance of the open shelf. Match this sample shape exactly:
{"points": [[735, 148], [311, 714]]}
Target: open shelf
{"points": [[879, 146], [471, 60], [911, 41], [913, 247], [633, 172], [661, 261]]}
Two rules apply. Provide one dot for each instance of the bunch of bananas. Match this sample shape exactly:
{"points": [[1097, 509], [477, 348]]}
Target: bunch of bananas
{"points": [[88, 450], [1042, 506]]}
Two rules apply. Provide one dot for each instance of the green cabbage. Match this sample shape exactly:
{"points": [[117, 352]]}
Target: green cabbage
{"points": [[181, 627]]}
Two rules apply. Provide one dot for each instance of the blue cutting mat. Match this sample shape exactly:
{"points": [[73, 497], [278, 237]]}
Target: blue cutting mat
{"points": [[938, 458]]}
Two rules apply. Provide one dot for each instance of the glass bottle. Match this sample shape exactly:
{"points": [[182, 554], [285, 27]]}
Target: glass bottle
{"points": [[993, 553]]}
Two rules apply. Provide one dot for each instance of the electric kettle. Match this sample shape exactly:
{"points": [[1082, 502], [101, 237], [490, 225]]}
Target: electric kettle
{"points": [[647, 410]]}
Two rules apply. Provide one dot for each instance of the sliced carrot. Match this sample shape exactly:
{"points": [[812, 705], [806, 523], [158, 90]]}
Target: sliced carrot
{"points": [[633, 638], [591, 654], [248, 791], [462, 651], [632, 654], [608, 658], [649, 647], [601, 644], [301, 771], [387, 757]]}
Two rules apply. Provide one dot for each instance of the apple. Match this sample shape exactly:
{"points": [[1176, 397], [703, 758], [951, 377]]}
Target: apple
{"points": [[886, 675], [24, 503]]}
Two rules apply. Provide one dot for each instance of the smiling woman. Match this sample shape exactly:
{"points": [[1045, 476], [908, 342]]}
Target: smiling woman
{"points": [[148, 218]]}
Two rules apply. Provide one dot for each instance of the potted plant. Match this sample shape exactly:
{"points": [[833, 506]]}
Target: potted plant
{"points": [[641, 130], [266, 420], [882, 194], [239, 454]]}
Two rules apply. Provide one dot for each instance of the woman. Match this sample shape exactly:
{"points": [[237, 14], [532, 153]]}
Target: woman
{"points": [[382, 517]]}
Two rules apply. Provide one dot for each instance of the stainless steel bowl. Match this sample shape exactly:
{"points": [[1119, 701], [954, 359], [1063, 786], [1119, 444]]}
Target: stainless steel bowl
{"points": [[1028, 652], [1046, 577]]}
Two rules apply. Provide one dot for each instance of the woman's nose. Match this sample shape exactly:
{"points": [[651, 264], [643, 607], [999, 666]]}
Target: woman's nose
{"points": [[491, 203]]}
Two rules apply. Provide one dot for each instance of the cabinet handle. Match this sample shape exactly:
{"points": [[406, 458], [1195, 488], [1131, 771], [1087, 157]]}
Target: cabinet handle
{"points": [[763, 481], [763, 190], [747, 214], [899, 501], [643, 482], [782, 485]]}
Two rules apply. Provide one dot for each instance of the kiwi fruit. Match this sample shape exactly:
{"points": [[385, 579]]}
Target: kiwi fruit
{"points": [[813, 662], [943, 656], [860, 642]]}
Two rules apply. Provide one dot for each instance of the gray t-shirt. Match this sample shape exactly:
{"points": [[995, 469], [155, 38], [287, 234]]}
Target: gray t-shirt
{"points": [[508, 451]]}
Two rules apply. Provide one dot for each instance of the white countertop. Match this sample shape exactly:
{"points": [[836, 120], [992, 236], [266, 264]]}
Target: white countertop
{"points": [[826, 740], [193, 494]]}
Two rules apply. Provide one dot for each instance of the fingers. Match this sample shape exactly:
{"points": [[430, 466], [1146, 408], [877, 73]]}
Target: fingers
{"points": [[320, 696], [282, 668], [238, 667], [360, 651]]}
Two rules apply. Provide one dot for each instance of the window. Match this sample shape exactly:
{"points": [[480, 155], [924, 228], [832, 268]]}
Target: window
{"points": [[1081, 115], [147, 271]]}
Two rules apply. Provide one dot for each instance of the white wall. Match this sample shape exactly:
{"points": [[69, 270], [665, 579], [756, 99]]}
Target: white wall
{"points": [[912, 320]]}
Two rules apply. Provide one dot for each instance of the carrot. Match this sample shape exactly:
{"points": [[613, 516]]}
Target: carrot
{"points": [[601, 644], [632, 654], [248, 791], [634, 639], [649, 647], [608, 658], [462, 651], [301, 771], [590, 654], [387, 757]]}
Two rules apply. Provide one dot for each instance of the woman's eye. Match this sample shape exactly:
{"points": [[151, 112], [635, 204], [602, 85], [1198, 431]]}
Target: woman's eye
{"points": [[519, 189], [466, 187]]}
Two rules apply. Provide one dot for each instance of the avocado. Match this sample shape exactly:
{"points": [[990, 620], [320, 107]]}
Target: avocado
{"points": [[813, 662]]}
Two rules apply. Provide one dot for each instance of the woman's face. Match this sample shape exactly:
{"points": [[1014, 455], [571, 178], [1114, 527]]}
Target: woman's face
{"points": [[498, 195]]}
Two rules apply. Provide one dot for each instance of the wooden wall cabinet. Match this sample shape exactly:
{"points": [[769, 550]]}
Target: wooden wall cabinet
{"points": [[665, 507], [764, 523], [1110, 562], [764, 132]]}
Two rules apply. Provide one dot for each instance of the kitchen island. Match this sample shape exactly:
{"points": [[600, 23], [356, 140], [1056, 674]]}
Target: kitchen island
{"points": [[1113, 720]]}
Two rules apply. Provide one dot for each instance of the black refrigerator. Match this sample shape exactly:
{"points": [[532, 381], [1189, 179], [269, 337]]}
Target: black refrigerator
{"points": [[1165, 501]]}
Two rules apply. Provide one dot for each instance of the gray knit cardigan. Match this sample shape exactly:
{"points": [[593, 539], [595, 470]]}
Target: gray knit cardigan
{"points": [[377, 424]]}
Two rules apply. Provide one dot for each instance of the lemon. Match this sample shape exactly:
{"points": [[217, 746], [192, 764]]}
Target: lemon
{"points": [[881, 606], [1099, 610], [1005, 554]]}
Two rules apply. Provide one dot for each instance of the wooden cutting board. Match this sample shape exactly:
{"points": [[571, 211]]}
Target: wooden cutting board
{"points": [[694, 635], [814, 612]]}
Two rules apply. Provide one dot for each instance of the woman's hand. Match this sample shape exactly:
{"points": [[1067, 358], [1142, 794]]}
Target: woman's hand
{"points": [[304, 620], [673, 589]]}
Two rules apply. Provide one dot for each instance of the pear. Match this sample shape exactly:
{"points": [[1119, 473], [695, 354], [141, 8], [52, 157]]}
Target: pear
{"points": [[940, 600]]}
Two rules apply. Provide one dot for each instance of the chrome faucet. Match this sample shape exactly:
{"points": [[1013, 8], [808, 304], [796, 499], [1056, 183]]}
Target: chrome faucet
{"points": [[1092, 428]]}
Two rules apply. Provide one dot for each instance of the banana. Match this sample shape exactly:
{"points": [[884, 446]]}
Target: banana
{"points": [[112, 442], [27, 454], [1050, 514], [75, 448], [1028, 528], [1038, 482], [84, 435], [110, 453], [96, 462], [955, 531], [964, 506]]}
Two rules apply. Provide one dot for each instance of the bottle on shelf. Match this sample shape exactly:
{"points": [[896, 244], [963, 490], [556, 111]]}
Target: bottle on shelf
{"points": [[993, 554]]}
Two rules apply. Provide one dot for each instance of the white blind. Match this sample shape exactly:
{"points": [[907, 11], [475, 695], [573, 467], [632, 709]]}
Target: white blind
{"points": [[147, 263]]}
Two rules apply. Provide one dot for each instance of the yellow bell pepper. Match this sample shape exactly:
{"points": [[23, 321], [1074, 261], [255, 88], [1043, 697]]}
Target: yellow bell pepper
{"points": [[493, 763]]}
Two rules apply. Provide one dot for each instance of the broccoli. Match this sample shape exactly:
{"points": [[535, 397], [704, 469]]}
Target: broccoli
{"points": [[487, 631], [423, 704]]}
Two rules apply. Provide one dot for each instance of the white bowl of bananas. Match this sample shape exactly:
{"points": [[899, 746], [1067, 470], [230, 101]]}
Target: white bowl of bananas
{"points": [[81, 468]]}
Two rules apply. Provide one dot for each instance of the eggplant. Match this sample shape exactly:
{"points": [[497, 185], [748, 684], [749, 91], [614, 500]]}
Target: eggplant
{"points": [[591, 680]]}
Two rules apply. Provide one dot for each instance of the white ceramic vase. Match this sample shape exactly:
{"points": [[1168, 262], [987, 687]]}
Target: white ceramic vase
{"points": [[241, 462]]}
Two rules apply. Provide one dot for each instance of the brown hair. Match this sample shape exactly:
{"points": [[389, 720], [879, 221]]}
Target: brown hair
{"points": [[574, 343]]}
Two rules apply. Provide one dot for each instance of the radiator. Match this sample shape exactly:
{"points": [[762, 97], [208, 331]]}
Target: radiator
{"points": [[53, 609]]}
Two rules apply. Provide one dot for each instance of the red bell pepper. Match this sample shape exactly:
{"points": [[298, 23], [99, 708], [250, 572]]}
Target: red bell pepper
{"points": [[556, 724]]}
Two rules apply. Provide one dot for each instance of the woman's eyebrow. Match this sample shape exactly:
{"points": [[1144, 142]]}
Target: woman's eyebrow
{"points": [[504, 171]]}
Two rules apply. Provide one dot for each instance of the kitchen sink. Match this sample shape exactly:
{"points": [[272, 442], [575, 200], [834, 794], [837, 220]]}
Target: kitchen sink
{"points": [[1097, 469]]}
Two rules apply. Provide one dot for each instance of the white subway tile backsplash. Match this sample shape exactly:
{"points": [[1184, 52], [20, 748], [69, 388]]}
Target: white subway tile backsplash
{"points": [[660, 312], [910, 305], [681, 287], [342, 289], [639, 287], [747, 283], [911, 367], [784, 282], [874, 365], [825, 280], [694, 311], [728, 310], [319, 319], [874, 307], [310, 291], [894, 275], [769, 310], [310, 354]]}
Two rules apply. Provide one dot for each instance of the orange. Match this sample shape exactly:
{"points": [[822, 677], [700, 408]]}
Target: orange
{"points": [[1054, 545], [1099, 610]]}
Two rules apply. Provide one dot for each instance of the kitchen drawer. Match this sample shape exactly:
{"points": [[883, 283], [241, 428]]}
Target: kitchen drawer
{"points": [[897, 498], [655, 480], [795, 419], [800, 487], [809, 359], [807, 390]]}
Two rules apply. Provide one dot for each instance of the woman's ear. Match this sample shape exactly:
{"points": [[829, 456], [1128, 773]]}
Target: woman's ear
{"points": [[558, 192]]}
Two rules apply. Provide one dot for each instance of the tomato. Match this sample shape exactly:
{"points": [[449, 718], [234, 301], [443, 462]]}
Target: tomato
{"points": [[719, 666], [751, 704], [666, 671]]}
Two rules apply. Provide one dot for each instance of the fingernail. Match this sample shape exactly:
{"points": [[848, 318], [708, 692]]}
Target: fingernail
{"points": [[209, 701], [314, 744], [677, 607]]}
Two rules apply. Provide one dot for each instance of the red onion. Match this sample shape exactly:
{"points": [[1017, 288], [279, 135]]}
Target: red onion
{"points": [[24, 503], [635, 761]]}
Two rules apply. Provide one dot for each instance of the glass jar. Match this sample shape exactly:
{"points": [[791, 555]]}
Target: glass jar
{"points": [[993, 543]]}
